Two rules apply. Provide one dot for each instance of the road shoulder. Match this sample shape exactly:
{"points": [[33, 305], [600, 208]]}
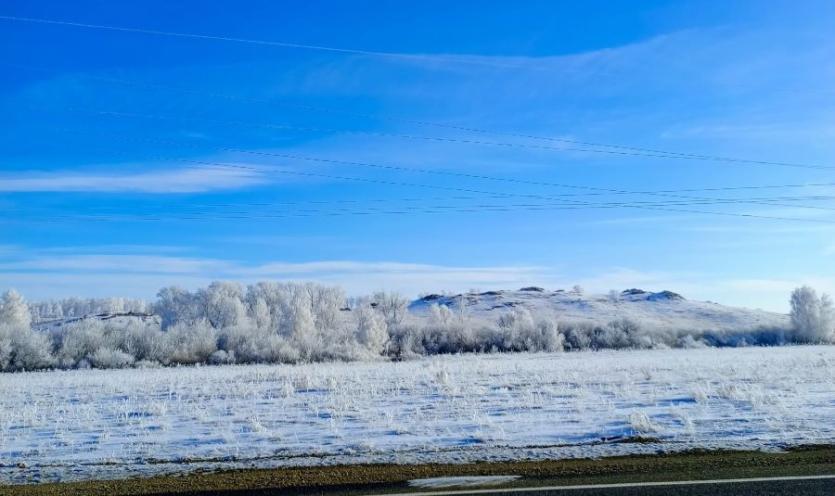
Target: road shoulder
{"points": [[362, 479]]}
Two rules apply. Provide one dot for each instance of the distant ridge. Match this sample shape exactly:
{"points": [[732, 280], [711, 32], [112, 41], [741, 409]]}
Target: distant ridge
{"points": [[665, 309]]}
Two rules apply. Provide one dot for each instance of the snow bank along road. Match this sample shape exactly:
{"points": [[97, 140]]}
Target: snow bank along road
{"points": [[75, 425]]}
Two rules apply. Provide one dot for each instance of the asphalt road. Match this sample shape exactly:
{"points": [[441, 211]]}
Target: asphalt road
{"points": [[789, 486], [800, 471], [793, 486], [773, 488]]}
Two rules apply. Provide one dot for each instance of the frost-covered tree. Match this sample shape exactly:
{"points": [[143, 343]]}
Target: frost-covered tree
{"points": [[521, 332], [274, 322], [143, 340], [14, 311], [622, 333], [191, 343], [266, 304], [23, 349], [254, 345], [392, 306], [224, 306], [371, 330], [578, 335], [303, 330], [325, 304], [79, 341], [550, 337], [813, 317], [440, 315], [517, 328], [260, 314], [110, 358], [175, 304]]}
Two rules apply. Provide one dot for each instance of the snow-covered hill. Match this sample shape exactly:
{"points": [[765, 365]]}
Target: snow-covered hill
{"points": [[663, 309], [290, 323]]}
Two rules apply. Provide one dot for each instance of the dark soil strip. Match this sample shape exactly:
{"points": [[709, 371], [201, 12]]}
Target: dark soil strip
{"points": [[362, 479]]}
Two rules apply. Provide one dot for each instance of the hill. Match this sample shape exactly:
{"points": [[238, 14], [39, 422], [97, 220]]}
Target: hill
{"points": [[663, 309]]}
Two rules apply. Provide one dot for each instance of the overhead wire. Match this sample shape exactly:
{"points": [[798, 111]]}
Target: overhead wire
{"points": [[447, 139], [563, 204], [421, 122], [594, 190]]}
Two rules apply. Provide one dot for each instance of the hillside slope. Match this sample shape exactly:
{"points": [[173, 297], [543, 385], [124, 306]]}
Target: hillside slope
{"points": [[663, 309]]}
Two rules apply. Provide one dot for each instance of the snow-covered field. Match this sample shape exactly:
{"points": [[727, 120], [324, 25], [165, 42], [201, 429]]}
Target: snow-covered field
{"points": [[82, 424]]}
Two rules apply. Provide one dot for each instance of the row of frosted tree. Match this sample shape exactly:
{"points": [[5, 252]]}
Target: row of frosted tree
{"points": [[271, 322], [69, 308]]}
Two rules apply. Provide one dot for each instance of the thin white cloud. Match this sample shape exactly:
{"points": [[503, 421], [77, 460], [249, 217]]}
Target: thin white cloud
{"points": [[363, 277], [181, 180], [127, 264], [113, 249], [141, 276]]}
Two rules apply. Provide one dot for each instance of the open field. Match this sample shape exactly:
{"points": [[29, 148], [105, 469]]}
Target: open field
{"points": [[100, 424]]}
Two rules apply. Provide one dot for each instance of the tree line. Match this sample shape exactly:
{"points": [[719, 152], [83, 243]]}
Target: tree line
{"points": [[272, 322]]}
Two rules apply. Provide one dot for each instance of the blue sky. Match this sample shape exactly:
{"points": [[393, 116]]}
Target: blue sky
{"points": [[110, 184]]}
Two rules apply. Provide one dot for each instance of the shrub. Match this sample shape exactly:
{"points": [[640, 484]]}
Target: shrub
{"points": [[107, 358], [23, 349], [190, 343]]}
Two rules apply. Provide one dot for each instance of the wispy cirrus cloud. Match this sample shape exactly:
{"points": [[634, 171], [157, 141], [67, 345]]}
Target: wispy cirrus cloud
{"points": [[123, 264], [160, 181], [54, 274]]}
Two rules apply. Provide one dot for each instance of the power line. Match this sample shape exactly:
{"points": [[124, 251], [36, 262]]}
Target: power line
{"points": [[208, 208], [420, 122], [693, 200], [665, 207], [525, 195], [563, 205], [679, 199], [651, 153], [453, 140], [591, 190]]}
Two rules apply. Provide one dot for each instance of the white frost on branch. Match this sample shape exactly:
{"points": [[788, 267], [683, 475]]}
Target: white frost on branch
{"points": [[813, 317], [272, 322]]}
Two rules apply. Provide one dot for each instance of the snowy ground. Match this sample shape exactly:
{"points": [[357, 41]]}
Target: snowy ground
{"points": [[662, 310], [68, 425]]}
